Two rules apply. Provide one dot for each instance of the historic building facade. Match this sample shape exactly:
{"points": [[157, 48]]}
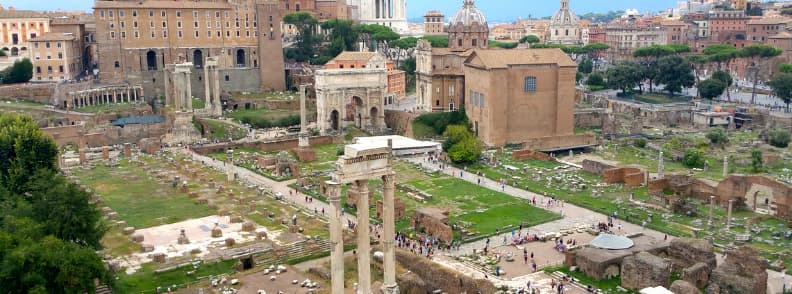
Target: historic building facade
{"points": [[391, 13], [136, 39], [434, 23], [56, 57], [17, 27], [396, 78], [564, 27]]}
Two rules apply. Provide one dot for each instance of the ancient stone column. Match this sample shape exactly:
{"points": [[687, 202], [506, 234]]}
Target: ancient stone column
{"points": [[230, 164], [188, 89], [660, 167], [336, 239], [303, 137], [725, 165], [106, 152], [389, 262], [82, 156], [712, 206], [729, 214], [207, 90], [128, 98], [218, 106], [168, 95], [364, 241]]}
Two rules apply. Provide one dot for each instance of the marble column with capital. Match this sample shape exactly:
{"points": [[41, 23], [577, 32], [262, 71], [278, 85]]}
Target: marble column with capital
{"points": [[388, 218], [363, 241], [336, 239]]}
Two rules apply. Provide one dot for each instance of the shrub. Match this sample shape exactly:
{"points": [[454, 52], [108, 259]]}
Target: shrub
{"points": [[779, 138], [440, 120], [757, 162], [640, 142], [466, 151], [694, 157], [718, 136]]}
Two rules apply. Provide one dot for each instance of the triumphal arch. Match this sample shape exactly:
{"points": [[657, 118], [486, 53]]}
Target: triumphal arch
{"points": [[360, 163], [351, 96]]}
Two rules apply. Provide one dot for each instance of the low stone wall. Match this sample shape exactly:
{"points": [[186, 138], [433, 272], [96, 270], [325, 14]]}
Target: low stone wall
{"points": [[285, 144], [630, 176], [590, 118], [596, 167], [400, 122], [528, 154], [560, 142], [436, 277], [39, 93], [261, 103]]}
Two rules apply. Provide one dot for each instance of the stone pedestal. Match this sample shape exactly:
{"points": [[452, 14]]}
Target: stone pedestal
{"points": [[183, 130], [127, 150], [305, 154], [105, 152], [82, 156]]}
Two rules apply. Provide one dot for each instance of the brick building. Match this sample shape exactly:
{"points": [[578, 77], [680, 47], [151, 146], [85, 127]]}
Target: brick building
{"points": [[56, 57], [728, 27], [137, 38], [434, 23], [760, 30], [17, 27], [625, 36]]}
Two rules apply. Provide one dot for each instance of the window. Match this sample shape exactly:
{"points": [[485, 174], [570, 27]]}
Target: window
{"points": [[151, 13], [162, 13], [178, 24], [101, 13], [134, 24], [153, 34], [208, 34], [164, 34], [475, 42], [151, 24], [47, 44], [530, 84], [112, 35], [35, 45], [120, 13], [111, 24], [164, 24], [60, 68], [49, 56], [38, 69], [195, 14], [196, 34], [217, 14], [459, 42], [219, 34], [227, 78], [134, 13], [178, 13], [60, 55], [122, 24], [110, 13], [180, 34], [123, 35], [195, 24], [137, 34]]}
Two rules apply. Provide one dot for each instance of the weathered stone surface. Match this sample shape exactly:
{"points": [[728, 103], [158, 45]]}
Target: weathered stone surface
{"points": [[217, 232], [112, 215], [743, 272], [434, 221], [438, 277], [686, 251], [235, 219], [248, 227], [147, 248], [158, 257], [683, 287], [644, 270], [697, 274], [129, 230], [137, 238], [230, 242]]}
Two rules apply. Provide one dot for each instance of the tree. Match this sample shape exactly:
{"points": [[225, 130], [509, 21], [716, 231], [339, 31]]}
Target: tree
{"points": [[306, 39], [721, 54], [343, 36], [404, 47], [718, 136], [455, 134], [3, 53], [724, 77], [624, 76], [586, 66], [694, 158], [710, 89], [530, 39], [466, 151], [595, 80], [20, 72], [697, 62], [756, 54], [409, 67], [782, 87], [785, 67], [779, 138], [674, 73], [24, 150], [757, 162], [650, 55], [437, 41]]}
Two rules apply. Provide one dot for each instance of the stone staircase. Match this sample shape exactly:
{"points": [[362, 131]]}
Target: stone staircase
{"points": [[291, 251], [103, 289]]}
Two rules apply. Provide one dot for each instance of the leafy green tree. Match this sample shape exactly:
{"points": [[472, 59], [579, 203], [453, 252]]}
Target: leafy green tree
{"points": [[586, 66], [782, 87], [650, 56], [640, 142], [409, 67], [437, 41], [455, 134], [724, 77], [624, 76], [466, 151], [756, 55], [710, 89], [504, 45], [20, 72], [343, 36], [718, 136], [595, 80], [674, 73], [757, 161], [779, 138], [530, 39], [786, 12], [785, 67], [24, 150], [3, 53], [694, 157], [306, 39]]}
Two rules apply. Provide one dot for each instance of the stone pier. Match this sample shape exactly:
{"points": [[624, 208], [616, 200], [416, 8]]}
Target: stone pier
{"points": [[363, 239], [230, 165], [336, 239], [729, 214], [725, 166], [712, 206], [660, 167], [304, 151]]}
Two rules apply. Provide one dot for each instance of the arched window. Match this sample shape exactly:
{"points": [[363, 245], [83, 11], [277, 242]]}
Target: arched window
{"points": [[240, 58], [567, 32], [198, 58], [151, 60], [530, 84]]}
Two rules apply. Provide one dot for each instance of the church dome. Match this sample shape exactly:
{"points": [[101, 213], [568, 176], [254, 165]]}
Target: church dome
{"points": [[468, 15], [564, 16]]}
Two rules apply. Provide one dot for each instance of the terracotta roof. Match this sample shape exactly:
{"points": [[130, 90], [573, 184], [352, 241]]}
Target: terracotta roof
{"points": [[447, 51], [782, 35], [7, 13], [145, 4], [354, 56], [505, 58], [769, 21], [672, 23], [53, 37]]}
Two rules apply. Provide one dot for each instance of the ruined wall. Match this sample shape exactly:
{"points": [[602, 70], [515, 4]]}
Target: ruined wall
{"points": [[39, 93], [590, 118], [400, 122], [433, 222], [743, 272], [549, 143], [108, 135], [436, 276], [528, 154], [644, 270], [630, 176], [596, 167], [261, 103], [284, 144], [685, 252]]}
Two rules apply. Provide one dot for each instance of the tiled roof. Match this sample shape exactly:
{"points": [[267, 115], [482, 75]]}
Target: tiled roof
{"points": [[354, 56], [145, 4], [505, 58], [769, 21], [53, 37], [781, 35], [6, 13]]}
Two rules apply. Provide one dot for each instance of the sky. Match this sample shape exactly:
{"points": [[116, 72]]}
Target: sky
{"points": [[495, 10]]}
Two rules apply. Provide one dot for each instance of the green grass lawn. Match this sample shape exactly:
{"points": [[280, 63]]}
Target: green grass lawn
{"points": [[220, 130], [658, 98], [145, 280], [608, 286], [138, 198], [112, 107]]}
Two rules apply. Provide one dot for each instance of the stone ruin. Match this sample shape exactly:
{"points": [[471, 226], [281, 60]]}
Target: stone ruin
{"points": [[630, 176], [183, 238], [528, 154], [216, 231], [286, 167], [649, 263], [400, 212], [353, 194], [433, 221], [644, 270]]}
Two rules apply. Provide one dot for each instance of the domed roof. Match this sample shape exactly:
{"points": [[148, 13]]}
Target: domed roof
{"points": [[564, 16], [468, 15], [612, 242]]}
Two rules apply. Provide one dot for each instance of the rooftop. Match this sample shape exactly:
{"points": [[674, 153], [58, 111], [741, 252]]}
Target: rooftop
{"points": [[162, 4], [54, 37], [354, 56], [13, 13], [506, 58]]}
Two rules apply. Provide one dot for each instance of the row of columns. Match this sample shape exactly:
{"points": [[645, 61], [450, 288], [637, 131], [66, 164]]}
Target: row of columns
{"points": [[363, 237], [78, 99]]}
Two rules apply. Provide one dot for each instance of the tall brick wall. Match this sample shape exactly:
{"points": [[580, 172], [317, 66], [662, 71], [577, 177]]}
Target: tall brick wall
{"points": [[400, 122], [596, 166], [39, 93], [528, 154]]}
